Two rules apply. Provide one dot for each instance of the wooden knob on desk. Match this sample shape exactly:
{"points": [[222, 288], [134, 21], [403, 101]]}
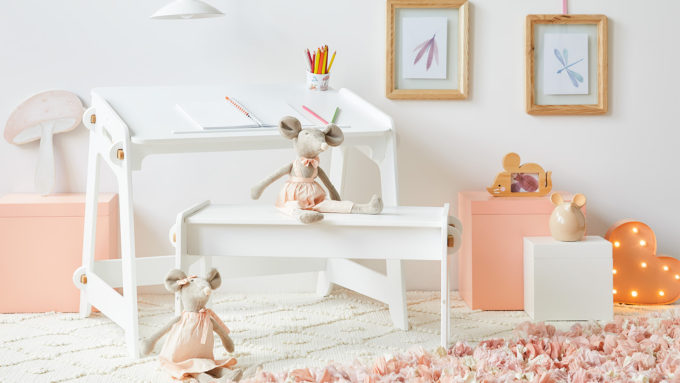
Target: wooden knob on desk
{"points": [[449, 242], [93, 118], [83, 279], [120, 154]]}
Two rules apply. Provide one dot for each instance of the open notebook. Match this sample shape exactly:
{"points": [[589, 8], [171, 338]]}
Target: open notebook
{"points": [[216, 115], [220, 115]]}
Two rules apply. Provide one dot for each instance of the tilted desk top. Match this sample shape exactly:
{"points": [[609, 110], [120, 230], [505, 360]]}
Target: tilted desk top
{"points": [[152, 118]]}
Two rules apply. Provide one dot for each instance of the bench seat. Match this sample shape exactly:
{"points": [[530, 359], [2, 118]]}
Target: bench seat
{"points": [[397, 234]]}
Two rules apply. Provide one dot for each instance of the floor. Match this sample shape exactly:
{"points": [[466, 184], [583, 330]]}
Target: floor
{"points": [[276, 331]]}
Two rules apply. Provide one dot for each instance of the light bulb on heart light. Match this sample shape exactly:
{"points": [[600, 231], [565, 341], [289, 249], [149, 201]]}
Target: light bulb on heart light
{"points": [[639, 275]]}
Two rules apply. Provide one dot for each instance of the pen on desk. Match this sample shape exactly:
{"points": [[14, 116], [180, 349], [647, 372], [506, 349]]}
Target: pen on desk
{"points": [[314, 114], [335, 115], [244, 111]]}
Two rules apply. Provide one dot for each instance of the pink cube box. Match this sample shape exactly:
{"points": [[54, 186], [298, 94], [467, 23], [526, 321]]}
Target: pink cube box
{"points": [[490, 263], [41, 241]]}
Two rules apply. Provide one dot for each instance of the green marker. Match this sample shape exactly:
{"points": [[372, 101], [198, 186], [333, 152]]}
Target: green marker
{"points": [[335, 115]]}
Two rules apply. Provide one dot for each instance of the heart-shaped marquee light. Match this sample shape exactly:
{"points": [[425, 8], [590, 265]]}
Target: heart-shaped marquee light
{"points": [[640, 276]]}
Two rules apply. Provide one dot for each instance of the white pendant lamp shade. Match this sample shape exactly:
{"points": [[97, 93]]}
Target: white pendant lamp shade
{"points": [[187, 9]]}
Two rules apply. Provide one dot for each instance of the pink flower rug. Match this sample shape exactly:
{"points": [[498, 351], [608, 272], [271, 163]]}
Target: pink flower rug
{"points": [[642, 349]]}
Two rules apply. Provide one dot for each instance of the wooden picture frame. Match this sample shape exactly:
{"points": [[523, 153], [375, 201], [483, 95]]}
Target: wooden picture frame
{"points": [[455, 85], [504, 184], [596, 99]]}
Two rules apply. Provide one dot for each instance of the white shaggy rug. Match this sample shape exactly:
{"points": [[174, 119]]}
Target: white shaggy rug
{"points": [[276, 331]]}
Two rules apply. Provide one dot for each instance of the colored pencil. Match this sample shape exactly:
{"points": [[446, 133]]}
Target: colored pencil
{"points": [[309, 60], [335, 115], [331, 63], [318, 68], [314, 114], [321, 61], [327, 60], [316, 62]]}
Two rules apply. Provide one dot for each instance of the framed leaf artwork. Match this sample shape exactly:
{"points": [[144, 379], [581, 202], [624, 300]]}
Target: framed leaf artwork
{"points": [[566, 64], [427, 49]]}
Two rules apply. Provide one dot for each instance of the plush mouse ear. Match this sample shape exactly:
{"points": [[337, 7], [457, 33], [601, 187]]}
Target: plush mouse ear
{"points": [[579, 200], [289, 127], [334, 136], [556, 198], [214, 278], [171, 279]]}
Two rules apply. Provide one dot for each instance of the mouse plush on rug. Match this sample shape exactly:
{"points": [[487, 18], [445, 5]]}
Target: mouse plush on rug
{"points": [[188, 349], [302, 196]]}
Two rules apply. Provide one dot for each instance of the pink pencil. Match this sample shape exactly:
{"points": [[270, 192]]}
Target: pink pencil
{"points": [[314, 114]]}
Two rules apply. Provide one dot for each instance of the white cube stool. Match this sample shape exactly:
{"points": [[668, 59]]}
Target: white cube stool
{"points": [[568, 280]]}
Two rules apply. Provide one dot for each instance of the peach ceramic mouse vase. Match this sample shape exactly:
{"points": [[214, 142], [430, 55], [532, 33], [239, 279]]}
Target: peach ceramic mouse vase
{"points": [[567, 222]]}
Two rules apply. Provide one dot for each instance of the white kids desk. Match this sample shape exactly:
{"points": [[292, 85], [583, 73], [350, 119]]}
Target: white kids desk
{"points": [[129, 123]]}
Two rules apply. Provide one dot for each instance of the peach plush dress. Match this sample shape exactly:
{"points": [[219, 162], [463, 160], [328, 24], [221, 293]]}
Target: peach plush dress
{"points": [[189, 347], [305, 193]]}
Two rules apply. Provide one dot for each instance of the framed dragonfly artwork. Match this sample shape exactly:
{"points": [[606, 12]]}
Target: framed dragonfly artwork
{"points": [[427, 49], [566, 64]]}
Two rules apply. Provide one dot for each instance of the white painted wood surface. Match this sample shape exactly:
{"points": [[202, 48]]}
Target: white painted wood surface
{"points": [[139, 121], [401, 233]]}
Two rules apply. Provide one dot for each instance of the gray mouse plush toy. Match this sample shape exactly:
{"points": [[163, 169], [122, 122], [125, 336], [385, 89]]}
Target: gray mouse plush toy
{"points": [[302, 196], [188, 349]]}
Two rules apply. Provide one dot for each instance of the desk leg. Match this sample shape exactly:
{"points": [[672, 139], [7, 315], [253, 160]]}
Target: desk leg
{"points": [[127, 245], [387, 162], [388, 171], [338, 171], [90, 231], [337, 177]]}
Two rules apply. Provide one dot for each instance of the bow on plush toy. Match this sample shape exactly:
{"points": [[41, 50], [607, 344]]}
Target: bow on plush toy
{"points": [[186, 280], [302, 196], [188, 350]]}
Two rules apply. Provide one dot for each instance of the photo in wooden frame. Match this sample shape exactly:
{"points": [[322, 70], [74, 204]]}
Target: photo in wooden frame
{"points": [[427, 49], [566, 64]]}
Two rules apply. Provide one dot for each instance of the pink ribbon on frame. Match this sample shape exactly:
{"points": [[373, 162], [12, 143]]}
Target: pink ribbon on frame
{"points": [[564, 7], [186, 280]]}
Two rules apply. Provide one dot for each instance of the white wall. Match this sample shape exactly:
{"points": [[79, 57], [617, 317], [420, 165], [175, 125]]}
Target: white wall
{"points": [[624, 161]]}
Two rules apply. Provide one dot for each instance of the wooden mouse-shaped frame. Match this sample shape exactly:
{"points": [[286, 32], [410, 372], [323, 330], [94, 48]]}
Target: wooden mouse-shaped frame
{"points": [[502, 186]]}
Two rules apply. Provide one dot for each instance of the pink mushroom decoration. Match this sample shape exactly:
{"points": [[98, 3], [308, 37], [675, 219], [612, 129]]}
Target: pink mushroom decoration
{"points": [[38, 118]]}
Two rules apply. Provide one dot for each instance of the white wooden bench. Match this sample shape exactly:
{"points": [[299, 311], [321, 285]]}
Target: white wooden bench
{"points": [[399, 233]]}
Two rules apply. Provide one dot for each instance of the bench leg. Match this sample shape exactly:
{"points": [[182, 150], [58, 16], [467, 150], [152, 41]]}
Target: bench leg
{"points": [[445, 304], [397, 293], [323, 283]]}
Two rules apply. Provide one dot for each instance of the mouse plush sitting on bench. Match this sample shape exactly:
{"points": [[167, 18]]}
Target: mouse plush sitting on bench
{"points": [[302, 196], [188, 350]]}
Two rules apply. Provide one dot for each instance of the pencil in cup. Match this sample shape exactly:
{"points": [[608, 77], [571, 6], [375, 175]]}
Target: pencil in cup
{"points": [[319, 66]]}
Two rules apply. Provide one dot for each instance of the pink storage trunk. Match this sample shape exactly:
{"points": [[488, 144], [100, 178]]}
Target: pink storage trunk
{"points": [[41, 241], [490, 269]]}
